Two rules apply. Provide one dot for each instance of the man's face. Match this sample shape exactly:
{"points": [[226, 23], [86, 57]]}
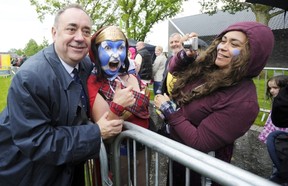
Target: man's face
{"points": [[138, 46], [72, 35], [175, 44], [157, 51], [112, 55]]}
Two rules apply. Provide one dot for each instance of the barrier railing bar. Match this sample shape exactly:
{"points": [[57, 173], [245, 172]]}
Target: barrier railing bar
{"points": [[182, 158], [187, 177], [147, 166], [193, 163], [156, 168], [170, 172], [134, 163], [216, 163]]}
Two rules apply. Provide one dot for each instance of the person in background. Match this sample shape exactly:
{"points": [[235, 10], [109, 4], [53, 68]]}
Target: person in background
{"points": [[214, 91], [273, 86], [175, 44], [158, 68], [23, 59], [131, 57], [45, 133], [19, 61], [133, 52], [277, 143], [280, 108], [14, 61], [143, 61], [118, 92]]}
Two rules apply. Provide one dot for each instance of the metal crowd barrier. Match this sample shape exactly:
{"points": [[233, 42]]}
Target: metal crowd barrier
{"points": [[210, 167], [6, 71]]}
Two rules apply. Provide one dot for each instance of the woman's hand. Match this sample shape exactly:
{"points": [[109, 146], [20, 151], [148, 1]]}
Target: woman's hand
{"points": [[123, 97], [187, 39], [160, 99]]}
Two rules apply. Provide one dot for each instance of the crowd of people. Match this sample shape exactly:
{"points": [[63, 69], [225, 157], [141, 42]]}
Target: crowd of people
{"points": [[63, 104], [18, 61]]}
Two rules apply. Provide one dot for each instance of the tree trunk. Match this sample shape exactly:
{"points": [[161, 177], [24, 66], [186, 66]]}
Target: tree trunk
{"points": [[261, 13]]}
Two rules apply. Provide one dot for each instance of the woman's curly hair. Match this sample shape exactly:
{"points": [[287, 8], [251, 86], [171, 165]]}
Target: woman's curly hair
{"points": [[213, 78]]}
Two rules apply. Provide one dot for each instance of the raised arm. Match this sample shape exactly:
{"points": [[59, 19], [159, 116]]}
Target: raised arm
{"points": [[182, 60]]}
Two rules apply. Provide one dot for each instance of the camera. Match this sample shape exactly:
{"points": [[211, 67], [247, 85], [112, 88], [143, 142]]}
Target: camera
{"points": [[191, 43]]}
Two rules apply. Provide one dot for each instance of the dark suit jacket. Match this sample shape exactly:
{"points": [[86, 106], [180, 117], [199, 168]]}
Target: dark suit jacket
{"points": [[40, 141]]}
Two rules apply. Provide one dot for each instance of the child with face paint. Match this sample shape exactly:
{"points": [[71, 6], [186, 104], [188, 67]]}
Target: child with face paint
{"points": [[214, 99], [111, 88]]}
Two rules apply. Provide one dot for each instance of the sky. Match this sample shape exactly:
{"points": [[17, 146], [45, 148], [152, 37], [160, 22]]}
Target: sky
{"points": [[19, 24], [158, 35]]}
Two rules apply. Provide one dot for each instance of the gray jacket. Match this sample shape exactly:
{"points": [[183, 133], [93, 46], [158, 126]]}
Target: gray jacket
{"points": [[40, 141], [159, 67]]}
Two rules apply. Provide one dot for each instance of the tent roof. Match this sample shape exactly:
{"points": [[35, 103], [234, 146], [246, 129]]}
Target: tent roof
{"points": [[133, 43], [206, 25]]}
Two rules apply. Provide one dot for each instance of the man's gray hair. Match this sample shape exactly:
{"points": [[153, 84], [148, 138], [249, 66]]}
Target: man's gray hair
{"points": [[61, 11], [175, 34]]}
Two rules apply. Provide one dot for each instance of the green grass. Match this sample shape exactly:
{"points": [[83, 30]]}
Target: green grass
{"points": [[5, 83], [151, 92], [261, 93], [262, 100]]}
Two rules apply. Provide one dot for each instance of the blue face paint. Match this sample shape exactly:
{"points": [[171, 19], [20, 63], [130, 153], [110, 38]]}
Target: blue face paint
{"points": [[112, 55], [235, 51], [218, 46]]}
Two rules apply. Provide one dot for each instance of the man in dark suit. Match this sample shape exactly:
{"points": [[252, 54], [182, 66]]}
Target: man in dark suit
{"points": [[45, 133]]}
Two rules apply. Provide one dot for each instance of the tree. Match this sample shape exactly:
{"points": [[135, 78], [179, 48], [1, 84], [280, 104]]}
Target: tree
{"points": [[31, 48], [262, 13], [102, 12], [44, 44], [138, 16], [135, 17], [19, 52]]}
